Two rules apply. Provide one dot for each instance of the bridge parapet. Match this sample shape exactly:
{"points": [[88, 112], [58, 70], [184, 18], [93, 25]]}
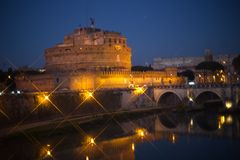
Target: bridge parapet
{"points": [[208, 85]]}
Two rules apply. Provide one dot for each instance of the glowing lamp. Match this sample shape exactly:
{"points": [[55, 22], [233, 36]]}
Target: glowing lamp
{"points": [[190, 99], [191, 122], [48, 153], [140, 132], [139, 90], [46, 97], [228, 104], [88, 94], [43, 99], [229, 119], [222, 119], [90, 141]]}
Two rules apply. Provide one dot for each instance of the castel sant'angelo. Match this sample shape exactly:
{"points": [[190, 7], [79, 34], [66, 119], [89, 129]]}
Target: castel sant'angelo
{"points": [[89, 49], [91, 58]]}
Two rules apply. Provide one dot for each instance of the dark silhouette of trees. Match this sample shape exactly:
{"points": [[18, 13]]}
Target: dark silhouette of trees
{"points": [[187, 73], [236, 64], [142, 68], [2, 76], [7, 80], [209, 65]]}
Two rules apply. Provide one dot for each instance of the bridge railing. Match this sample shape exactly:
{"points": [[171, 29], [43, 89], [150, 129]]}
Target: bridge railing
{"points": [[207, 85]]}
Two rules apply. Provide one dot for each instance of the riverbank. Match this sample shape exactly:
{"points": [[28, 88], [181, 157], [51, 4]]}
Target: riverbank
{"points": [[63, 124], [66, 121]]}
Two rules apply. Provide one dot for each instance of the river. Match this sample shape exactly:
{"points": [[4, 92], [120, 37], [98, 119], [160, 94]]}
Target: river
{"points": [[158, 135]]}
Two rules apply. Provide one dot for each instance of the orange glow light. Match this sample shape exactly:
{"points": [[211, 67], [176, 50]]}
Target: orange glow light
{"points": [[141, 132], [88, 95], [173, 138], [139, 90], [90, 141], [228, 104], [42, 98], [222, 119], [46, 97], [133, 146]]}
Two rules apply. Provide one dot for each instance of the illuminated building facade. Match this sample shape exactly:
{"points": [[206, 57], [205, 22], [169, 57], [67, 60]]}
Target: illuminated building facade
{"points": [[91, 58], [89, 49]]}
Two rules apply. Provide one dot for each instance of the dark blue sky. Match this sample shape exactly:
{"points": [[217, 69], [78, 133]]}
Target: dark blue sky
{"points": [[154, 28]]}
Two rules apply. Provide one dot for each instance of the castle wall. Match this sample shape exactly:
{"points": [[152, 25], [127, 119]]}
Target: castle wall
{"points": [[76, 81], [35, 83], [88, 58]]}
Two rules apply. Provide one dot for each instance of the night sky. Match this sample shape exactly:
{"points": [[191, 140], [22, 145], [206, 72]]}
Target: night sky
{"points": [[154, 28]]}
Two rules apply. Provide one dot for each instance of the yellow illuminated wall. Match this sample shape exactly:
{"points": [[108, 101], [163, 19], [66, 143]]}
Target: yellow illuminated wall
{"points": [[96, 80]]}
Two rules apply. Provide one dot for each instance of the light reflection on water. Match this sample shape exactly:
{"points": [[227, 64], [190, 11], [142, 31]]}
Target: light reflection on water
{"points": [[148, 136]]}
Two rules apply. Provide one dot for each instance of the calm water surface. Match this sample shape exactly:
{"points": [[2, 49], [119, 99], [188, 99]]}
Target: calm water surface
{"points": [[147, 136]]}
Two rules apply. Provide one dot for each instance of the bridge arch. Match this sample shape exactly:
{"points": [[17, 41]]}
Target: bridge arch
{"points": [[208, 96], [168, 120], [169, 98], [207, 122]]}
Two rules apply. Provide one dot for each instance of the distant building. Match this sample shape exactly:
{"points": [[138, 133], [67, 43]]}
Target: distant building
{"points": [[207, 69], [191, 62]]}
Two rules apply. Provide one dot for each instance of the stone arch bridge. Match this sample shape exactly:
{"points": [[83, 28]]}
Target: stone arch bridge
{"points": [[198, 94], [182, 95]]}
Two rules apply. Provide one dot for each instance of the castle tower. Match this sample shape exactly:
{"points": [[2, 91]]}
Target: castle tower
{"points": [[89, 49]]}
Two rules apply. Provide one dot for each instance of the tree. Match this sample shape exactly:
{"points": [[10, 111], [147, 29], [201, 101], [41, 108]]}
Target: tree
{"points": [[187, 73], [209, 65], [2, 76], [142, 68], [236, 64]]}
